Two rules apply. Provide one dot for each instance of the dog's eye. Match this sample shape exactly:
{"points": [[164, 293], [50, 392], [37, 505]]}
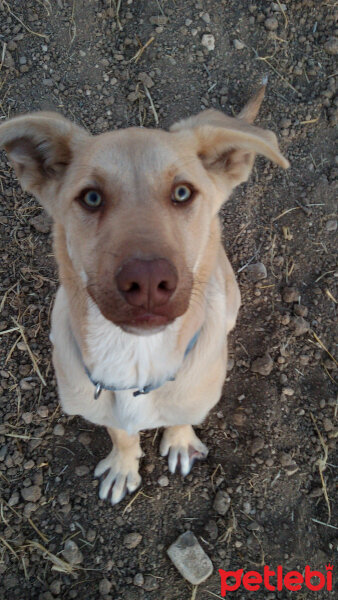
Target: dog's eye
{"points": [[181, 193], [92, 199]]}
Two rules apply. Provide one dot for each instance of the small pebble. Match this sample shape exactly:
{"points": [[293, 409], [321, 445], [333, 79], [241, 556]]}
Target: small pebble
{"points": [[190, 559], [59, 430], [271, 24], [222, 502], [208, 41], [331, 225], [163, 481], [239, 45], [105, 587], [131, 540], [72, 553], [290, 294], [328, 425], [256, 272], [287, 391], [299, 325], [82, 470], [331, 46], [262, 365], [138, 580], [257, 445], [31, 493]]}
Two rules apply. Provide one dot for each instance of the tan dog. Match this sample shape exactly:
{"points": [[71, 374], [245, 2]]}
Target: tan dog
{"points": [[147, 294]]}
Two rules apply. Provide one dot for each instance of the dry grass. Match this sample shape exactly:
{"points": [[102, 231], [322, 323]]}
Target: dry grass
{"points": [[322, 462], [41, 35]]}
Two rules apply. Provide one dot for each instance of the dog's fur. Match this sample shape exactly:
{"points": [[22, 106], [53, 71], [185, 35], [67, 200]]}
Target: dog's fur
{"points": [[135, 171]]}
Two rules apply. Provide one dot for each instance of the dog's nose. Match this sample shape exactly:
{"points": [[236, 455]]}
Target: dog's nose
{"points": [[147, 283]]}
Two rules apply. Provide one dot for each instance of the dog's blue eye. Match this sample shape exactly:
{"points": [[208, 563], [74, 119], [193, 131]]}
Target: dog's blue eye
{"points": [[182, 193], [92, 199]]}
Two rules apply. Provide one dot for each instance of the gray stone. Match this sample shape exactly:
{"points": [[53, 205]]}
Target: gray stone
{"points": [[31, 493], [238, 44], [271, 24], [299, 325], [72, 553], [256, 272], [222, 502], [131, 540], [190, 559], [331, 225], [257, 445], [262, 365], [105, 587], [163, 481], [331, 46], [290, 294], [208, 41]]}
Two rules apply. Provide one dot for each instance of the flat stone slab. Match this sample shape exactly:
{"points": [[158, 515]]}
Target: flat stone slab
{"points": [[190, 559]]}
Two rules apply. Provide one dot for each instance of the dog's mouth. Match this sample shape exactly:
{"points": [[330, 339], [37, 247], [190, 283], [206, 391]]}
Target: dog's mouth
{"points": [[145, 323]]}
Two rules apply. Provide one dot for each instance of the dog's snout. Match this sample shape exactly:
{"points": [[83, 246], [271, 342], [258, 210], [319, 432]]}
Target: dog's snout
{"points": [[147, 283]]}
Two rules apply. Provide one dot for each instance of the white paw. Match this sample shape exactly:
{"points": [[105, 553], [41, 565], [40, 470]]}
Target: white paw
{"points": [[119, 472], [183, 447]]}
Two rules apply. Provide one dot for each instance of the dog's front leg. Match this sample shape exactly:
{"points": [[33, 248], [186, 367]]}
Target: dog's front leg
{"points": [[119, 470], [183, 447]]}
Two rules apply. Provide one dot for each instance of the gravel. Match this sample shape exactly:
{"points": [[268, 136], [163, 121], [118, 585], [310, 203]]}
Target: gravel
{"points": [[190, 559]]}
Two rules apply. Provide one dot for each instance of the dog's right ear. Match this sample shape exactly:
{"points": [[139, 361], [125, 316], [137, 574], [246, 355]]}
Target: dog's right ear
{"points": [[41, 146]]}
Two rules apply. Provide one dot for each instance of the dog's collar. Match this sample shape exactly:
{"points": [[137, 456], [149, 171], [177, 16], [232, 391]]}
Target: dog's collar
{"points": [[99, 386]]}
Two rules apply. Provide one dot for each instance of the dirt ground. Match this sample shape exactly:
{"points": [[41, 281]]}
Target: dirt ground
{"points": [[271, 438]]}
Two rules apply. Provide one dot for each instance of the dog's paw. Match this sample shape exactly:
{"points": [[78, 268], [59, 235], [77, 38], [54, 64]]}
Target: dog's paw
{"points": [[119, 475], [183, 447]]}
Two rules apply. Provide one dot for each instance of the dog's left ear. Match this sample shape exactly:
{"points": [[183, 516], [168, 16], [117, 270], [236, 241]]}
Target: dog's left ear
{"points": [[227, 146], [41, 146]]}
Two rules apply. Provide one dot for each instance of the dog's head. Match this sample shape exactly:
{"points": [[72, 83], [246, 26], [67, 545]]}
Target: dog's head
{"points": [[137, 206]]}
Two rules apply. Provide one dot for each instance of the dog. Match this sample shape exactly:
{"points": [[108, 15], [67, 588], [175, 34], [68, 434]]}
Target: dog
{"points": [[147, 294]]}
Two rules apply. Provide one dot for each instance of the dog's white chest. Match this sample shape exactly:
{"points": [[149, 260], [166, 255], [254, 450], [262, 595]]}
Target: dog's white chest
{"points": [[123, 361]]}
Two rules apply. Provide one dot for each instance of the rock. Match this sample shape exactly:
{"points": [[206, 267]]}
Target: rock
{"points": [[287, 391], [138, 580], [55, 587], [299, 325], [212, 529], [82, 470], [238, 44], [144, 78], [158, 20], [222, 503], [104, 587], [206, 18], [290, 294], [257, 445], [41, 223], [271, 24], [262, 365], [331, 225], [8, 61], [131, 540], [331, 46], [328, 425], [208, 41], [59, 430], [72, 553], [163, 481], [256, 272], [285, 459], [63, 498], [190, 559], [230, 364], [27, 417], [31, 493], [254, 526], [300, 310], [150, 584]]}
